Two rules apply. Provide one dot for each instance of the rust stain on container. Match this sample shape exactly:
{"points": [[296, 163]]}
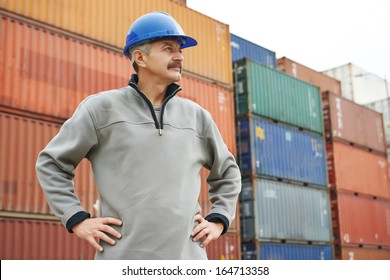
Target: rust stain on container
{"points": [[352, 123], [355, 170], [211, 58], [22, 139], [297, 70]]}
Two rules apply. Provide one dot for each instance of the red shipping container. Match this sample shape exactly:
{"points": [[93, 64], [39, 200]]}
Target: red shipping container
{"points": [[355, 170], [226, 247], [299, 71], [21, 139], [50, 74], [358, 220], [26, 239], [354, 124], [23, 239], [357, 253]]}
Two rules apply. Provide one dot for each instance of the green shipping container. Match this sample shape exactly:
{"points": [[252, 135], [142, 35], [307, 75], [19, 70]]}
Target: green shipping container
{"points": [[275, 95]]}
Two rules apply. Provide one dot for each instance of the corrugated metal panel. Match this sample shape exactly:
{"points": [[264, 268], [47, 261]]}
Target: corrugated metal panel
{"points": [[273, 94], [51, 74], [356, 170], [278, 251], [299, 71], [290, 212], [356, 253], [22, 239], [108, 22], [272, 150], [248, 251], [383, 106], [243, 48], [22, 139], [360, 220], [349, 122], [226, 247]]}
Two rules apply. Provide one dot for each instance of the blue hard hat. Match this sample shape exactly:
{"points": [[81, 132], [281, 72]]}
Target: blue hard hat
{"points": [[154, 26]]}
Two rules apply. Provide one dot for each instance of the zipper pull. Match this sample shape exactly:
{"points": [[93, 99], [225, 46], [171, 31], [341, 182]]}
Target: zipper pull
{"points": [[160, 131]]}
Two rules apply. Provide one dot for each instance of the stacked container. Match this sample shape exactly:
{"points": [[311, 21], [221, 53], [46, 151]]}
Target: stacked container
{"points": [[358, 177], [52, 56], [285, 211], [299, 71]]}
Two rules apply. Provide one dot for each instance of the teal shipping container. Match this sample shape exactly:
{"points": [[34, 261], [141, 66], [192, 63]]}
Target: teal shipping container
{"points": [[270, 93], [282, 211]]}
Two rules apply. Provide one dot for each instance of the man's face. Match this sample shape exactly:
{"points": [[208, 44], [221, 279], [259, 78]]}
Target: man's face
{"points": [[165, 61]]}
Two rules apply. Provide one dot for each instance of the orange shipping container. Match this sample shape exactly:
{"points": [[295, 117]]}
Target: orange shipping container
{"points": [[348, 122], [355, 170], [360, 221], [51, 74], [23, 239], [299, 71], [108, 23], [21, 139]]}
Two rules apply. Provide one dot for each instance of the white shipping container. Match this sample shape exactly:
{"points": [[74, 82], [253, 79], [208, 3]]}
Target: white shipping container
{"points": [[360, 85]]}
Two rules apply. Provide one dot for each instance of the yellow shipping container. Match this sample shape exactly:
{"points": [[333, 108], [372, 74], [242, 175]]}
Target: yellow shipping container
{"points": [[107, 21]]}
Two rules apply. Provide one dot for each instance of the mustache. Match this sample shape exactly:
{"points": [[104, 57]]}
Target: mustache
{"points": [[175, 65]]}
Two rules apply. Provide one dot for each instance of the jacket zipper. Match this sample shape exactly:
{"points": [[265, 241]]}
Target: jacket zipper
{"points": [[158, 125]]}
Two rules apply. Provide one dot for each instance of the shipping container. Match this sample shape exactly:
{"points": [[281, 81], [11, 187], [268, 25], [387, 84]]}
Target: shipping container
{"points": [[283, 251], [354, 124], [275, 95], [242, 48], [226, 247], [358, 220], [273, 150], [108, 22], [50, 74], [358, 253], [299, 71], [358, 84], [383, 106], [290, 212], [355, 170], [21, 140], [25, 239], [31, 239]]}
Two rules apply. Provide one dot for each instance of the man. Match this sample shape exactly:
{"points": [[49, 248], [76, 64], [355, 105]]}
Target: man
{"points": [[146, 147]]}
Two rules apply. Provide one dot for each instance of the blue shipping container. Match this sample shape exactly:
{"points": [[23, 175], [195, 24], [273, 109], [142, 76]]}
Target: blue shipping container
{"points": [[243, 48], [283, 251], [279, 151]]}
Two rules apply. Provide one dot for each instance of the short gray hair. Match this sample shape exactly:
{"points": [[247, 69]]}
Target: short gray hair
{"points": [[143, 47]]}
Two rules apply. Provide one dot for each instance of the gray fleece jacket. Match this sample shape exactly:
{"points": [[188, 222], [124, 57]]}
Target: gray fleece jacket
{"points": [[147, 174]]}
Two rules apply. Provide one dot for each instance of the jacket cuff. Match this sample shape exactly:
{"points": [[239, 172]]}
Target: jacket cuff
{"points": [[76, 219], [218, 218]]}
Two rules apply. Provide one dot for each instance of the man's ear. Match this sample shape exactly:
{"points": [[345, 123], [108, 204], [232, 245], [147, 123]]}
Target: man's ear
{"points": [[139, 58]]}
